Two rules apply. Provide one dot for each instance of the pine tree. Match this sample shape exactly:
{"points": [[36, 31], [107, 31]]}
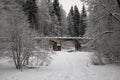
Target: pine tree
{"points": [[64, 30], [57, 10], [30, 8], [83, 23], [76, 22], [84, 14], [71, 22]]}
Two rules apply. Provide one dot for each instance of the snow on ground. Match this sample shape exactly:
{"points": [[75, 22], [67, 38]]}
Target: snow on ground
{"points": [[65, 66]]}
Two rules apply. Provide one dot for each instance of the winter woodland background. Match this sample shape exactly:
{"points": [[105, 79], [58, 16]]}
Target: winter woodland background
{"points": [[23, 20]]}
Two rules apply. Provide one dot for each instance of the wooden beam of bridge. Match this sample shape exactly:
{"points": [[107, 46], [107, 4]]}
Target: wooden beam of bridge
{"points": [[83, 40], [62, 38]]}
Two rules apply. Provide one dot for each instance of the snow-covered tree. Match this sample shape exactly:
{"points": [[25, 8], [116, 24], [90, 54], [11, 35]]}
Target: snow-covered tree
{"points": [[15, 32], [63, 26], [76, 19], [56, 6], [31, 10], [48, 19], [104, 21], [83, 21], [71, 22]]}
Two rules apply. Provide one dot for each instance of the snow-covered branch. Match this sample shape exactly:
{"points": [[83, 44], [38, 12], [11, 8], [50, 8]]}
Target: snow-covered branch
{"points": [[102, 34], [112, 14], [116, 14]]}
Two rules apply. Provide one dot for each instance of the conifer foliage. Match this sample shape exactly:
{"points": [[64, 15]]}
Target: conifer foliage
{"points": [[83, 21], [77, 22], [70, 22], [30, 8], [76, 19], [57, 9]]}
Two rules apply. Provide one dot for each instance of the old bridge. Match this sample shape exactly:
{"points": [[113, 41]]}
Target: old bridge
{"points": [[57, 41]]}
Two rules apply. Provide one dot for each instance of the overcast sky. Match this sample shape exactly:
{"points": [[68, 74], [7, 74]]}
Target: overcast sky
{"points": [[68, 3]]}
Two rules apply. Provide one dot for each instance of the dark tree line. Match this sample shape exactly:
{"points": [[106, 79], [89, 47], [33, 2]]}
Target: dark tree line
{"points": [[31, 10], [56, 11], [77, 22], [48, 19]]}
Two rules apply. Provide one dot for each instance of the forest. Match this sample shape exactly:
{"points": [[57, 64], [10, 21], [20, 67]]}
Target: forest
{"points": [[23, 20]]}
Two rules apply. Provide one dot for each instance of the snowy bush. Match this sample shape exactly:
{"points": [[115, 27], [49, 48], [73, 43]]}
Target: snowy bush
{"points": [[98, 59], [40, 58], [41, 55]]}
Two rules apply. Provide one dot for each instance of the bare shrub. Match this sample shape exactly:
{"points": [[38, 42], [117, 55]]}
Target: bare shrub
{"points": [[96, 59]]}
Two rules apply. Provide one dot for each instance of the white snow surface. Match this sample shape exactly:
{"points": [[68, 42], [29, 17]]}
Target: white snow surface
{"points": [[65, 66]]}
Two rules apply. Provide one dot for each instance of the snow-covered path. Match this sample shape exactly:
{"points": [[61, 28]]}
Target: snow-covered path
{"points": [[65, 66], [71, 66]]}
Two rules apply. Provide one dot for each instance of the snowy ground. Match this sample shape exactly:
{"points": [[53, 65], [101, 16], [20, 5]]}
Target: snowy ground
{"points": [[65, 66]]}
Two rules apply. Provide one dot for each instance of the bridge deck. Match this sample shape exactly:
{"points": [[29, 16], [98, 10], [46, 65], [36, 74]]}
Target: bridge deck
{"points": [[63, 38]]}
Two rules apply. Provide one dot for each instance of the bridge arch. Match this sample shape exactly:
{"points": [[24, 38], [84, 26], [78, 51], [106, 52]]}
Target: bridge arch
{"points": [[57, 44], [57, 41]]}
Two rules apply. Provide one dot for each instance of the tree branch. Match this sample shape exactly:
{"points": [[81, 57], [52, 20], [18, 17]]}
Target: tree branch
{"points": [[116, 14], [109, 11], [102, 34]]}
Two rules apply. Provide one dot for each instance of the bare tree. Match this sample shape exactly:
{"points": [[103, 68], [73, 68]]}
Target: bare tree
{"points": [[18, 35]]}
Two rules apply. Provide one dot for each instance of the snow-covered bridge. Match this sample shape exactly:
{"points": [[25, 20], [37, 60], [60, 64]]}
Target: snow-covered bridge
{"points": [[56, 41]]}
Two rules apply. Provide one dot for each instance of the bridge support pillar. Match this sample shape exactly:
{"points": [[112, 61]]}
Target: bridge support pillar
{"points": [[77, 45], [56, 47]]}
